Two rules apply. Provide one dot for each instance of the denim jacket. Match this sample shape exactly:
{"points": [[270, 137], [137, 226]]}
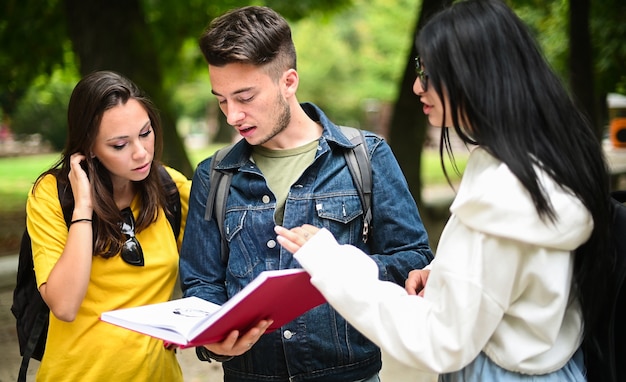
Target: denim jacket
{"points": [[319, 345]]}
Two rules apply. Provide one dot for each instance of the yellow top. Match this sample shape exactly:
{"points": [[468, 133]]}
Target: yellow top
{"points": [[88, 349]]}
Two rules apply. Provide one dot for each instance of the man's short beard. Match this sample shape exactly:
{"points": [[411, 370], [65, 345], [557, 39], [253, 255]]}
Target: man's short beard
{"points": [[284, 118]]}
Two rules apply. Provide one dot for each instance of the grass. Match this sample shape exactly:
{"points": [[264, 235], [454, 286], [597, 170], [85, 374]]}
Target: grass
{"points": [[432, 173], [17, 174]]}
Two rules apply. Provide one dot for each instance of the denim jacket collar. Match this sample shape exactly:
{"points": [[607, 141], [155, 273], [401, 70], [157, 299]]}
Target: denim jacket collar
{"points": [[240, 154]]}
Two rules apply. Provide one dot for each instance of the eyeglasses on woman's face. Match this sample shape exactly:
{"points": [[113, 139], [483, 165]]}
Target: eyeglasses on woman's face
{"points": [[131, 249], [421, 73]]}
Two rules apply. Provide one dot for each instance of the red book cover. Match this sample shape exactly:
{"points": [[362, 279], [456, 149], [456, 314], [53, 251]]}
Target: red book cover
{"points": [[280, 295]]}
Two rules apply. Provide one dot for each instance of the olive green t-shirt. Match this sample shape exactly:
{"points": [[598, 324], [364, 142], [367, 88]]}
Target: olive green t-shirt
{"points": [[282, 168]]}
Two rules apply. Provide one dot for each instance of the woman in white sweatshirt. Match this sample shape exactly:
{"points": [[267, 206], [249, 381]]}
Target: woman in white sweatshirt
{"points": [[522, 264]]}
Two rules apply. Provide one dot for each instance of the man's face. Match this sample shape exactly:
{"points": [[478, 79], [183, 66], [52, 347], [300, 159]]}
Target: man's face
{"points": [[253, 103]]}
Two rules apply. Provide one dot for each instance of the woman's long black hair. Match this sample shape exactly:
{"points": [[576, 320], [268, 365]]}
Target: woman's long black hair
{"points": [[485, 61]]}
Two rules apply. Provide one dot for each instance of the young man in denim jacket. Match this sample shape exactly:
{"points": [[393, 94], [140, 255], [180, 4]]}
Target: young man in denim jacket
{"points": [[289, 169]]}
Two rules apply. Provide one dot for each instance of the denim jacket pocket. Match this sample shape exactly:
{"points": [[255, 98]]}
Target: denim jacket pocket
{"points": [[233, 223], [342, 208], [240, 259]]}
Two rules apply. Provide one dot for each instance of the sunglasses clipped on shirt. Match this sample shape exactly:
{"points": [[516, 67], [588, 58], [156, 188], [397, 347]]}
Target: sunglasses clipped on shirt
{"points": [[131, 249], [421, 73]]}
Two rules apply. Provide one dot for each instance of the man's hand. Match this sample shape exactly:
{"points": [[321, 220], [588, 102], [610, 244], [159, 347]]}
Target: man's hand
{"points": [[235, 345]]}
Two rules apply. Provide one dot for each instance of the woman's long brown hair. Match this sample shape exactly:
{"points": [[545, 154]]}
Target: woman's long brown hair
{"points": [[92, 96]]}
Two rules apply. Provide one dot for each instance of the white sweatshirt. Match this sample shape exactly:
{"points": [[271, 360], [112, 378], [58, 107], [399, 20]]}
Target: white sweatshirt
{"points": [[500, 281]]}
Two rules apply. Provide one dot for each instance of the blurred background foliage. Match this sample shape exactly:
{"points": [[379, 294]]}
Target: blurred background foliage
{"points": [[355, 60], [353, 56]]}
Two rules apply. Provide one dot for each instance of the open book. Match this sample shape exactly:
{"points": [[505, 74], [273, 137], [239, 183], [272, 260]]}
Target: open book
{"points": [[280, 295]]}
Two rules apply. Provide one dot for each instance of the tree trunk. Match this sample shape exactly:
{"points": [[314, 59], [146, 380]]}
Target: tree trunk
{"points": [[581, 62], [113, 35], [408, 125]]}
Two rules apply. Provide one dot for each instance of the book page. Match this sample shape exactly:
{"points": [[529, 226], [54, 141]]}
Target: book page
{"points": [[172, 321], [279, 295]]}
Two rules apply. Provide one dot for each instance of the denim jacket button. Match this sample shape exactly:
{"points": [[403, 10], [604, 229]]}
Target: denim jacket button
{"points": [[271, 244], [265, 199], [287, 334]]}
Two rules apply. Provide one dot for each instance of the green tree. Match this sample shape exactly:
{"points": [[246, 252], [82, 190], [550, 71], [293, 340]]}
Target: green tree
{"points": [[43, 109], [591, 65], [29, 37], [346, 57], [352, 61], [608, 34], [114, 35], [408, 126], [581, 77], [142, 39], [584, 41]]}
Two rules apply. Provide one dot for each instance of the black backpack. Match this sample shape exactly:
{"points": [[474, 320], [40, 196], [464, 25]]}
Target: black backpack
{"points": [[31, 312], [358, 163], [605, 355]]}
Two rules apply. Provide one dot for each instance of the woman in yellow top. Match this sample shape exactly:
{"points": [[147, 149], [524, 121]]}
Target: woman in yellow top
{"points": [[110, 165]]}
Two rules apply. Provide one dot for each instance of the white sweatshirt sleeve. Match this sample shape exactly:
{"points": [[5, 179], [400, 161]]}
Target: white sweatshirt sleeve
{"points": [[410, 328], [500, 281]]}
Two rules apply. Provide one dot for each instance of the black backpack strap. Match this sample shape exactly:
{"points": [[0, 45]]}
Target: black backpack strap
{"points": [[218, 195], [619, 195], [616, 349], [39, 328], [172, 199], [361, 169], [35, 345], [66, 198]]}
